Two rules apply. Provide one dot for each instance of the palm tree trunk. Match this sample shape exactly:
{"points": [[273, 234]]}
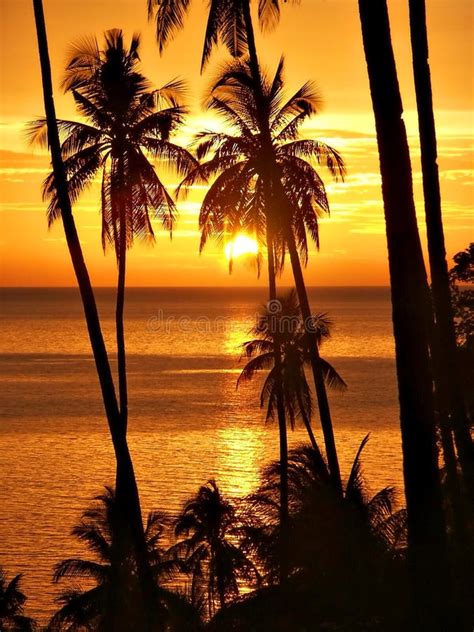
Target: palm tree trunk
{"points": [[70, 231], [125, 470], [282, 430], [252, 48], [312, 438], [121, 357], [410, 305], [320, 387], [447, 371], [120, 303]]}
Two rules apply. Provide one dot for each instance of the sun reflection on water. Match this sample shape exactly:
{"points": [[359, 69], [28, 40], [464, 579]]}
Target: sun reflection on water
{"points": [[240, 452]]}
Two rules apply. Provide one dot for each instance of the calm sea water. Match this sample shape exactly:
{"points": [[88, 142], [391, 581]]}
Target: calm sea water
{"points": [[188, 422]]}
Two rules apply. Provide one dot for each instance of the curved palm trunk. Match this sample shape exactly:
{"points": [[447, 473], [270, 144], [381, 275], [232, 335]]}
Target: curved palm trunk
{"points": [[282, 430], [447, 372], [70, 231], [410, 309], [312, 438], [125, 472], [320, 387]]}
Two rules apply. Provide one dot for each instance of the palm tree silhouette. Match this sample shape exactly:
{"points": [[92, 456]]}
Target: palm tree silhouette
{"points": [[347, 555], [411, 314], [295, 355], [126, 481], [112, 574], [127, 122], [12, 602], [332, 538], [231, 22], [268, 187], [208, 528]]}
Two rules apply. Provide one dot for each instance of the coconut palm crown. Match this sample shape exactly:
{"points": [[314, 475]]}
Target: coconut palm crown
{"points": [[208, 531], [261, 143], [127, 124], [282, 317]]}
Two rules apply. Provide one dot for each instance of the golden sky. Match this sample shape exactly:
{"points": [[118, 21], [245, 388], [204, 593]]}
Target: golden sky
{"points": [[321, 40]]}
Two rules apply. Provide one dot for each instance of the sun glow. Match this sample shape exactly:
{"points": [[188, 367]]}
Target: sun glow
{"points": [[239, 246]]}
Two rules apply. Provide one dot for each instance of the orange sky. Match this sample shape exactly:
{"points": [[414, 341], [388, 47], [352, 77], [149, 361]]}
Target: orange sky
{"points": [[321, 41]]}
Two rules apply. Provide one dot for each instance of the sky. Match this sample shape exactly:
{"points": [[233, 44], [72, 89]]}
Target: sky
{"points": [[321, 40]]}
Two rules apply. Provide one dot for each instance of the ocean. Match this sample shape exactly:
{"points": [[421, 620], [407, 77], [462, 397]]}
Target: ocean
{"points": [[188, 422]]}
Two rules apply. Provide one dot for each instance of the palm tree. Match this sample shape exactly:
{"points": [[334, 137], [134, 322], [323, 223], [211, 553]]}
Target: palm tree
{"points": [[411, 317], [269, 188], [231, 22], [355, 541], [111, 575], [125, 472], [12, 601], [295, 355], [127, 122], [448, 379], [208, 531]]}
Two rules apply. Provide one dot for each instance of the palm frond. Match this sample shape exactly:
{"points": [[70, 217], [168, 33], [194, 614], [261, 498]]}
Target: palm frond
{"points": [[169, 18], [355, 483], [322, 153]]}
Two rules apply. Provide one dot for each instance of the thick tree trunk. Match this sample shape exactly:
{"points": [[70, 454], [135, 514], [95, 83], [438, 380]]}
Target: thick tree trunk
{"points": [[252, 48], [410, 305], [447, 374], [282, 430], [131, 505]]}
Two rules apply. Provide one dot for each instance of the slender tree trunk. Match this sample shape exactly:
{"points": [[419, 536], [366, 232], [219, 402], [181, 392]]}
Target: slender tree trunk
{"points": [[321, 392], [282, 430], [410, 305], [448, 378], [121, 356], [70, 231], [120, 303], [312, 438], [125, 470], [315, 359]]}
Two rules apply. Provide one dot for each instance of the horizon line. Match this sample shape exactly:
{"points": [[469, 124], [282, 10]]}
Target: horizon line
{"points": [[179, 287]]}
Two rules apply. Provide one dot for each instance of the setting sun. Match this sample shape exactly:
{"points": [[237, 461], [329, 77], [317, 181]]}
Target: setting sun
{"points": [[241, 245]]}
